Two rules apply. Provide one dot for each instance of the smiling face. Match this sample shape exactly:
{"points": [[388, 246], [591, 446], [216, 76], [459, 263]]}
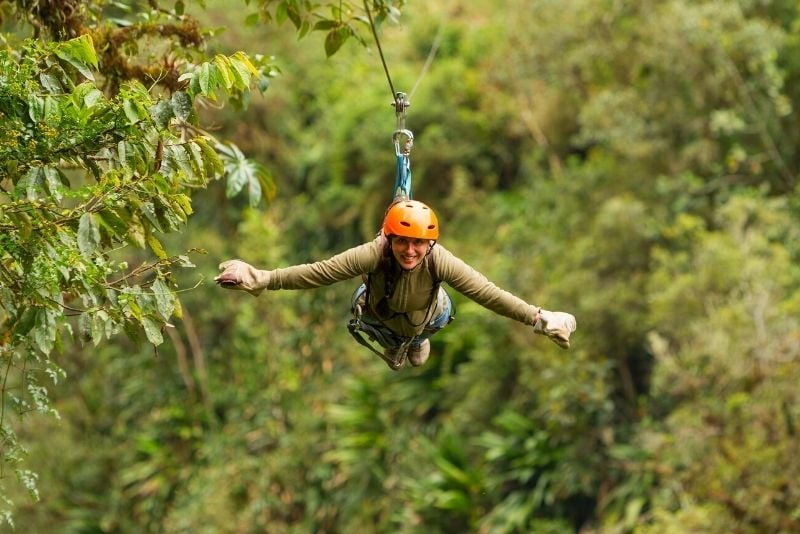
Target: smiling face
{"points": [[409, 251]]}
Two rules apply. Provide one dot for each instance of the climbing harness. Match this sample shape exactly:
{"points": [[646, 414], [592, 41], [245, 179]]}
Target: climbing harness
{"points": [[377, 331], [385, 265]]}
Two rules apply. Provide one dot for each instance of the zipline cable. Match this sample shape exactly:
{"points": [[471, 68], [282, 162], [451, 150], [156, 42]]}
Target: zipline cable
{"points": [[437, 41], [428, 61], [380, 51]]}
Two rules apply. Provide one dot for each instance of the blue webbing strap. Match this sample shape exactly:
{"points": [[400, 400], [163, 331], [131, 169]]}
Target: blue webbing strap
{"points": [[402, 180], [403, 140]]}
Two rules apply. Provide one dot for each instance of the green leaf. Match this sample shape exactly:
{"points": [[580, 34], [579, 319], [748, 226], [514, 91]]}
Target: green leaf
{"points": [[196, 160], [51, 83], [237, 179], [181, 105], [152, 330], [85, 96], [85, 325], [156, 246], [52, 112], [26, 322], [325, 24], [31, 185], [161, 113], [294, 16], [92, 97], [178, 155], [244, 67], [281, 12], [267, 185], [100, 326], [122, 153], [150, 214], [254, 190], [35, 107], [114, 223], [305, 27], [242, 58], [79, 53], [225, 69], [178, 311], [164, 298], [335, 39], [206, 79], [135, 234], [194, 83], [88, 234], [81, 49], [54, 181], [242, 172], [182, 203], [211, 161], [133, 111], [44, 332]]}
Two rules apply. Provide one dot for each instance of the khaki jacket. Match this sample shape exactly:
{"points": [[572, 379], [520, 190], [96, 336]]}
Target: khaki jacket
{"points": [[412, 293]]}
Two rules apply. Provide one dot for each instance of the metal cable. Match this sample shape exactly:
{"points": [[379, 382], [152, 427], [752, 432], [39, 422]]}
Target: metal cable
{"points": [[434, 48], [380, 51]]}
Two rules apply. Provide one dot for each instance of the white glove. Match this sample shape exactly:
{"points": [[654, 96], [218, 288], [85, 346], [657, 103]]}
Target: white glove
{"points": [[237, 274], [556, 325]]}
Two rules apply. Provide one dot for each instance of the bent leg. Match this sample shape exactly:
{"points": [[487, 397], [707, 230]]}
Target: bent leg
{"points": [[420, 349], [439, 321]]}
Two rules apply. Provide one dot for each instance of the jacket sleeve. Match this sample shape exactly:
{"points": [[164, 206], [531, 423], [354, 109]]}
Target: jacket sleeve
{"points": [[474, 285], [343, 266]]}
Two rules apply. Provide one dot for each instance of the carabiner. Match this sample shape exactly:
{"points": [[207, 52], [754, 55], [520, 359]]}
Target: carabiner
{"points": [[403, 141]]}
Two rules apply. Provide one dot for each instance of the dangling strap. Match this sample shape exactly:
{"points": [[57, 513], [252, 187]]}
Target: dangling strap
{"points": [[355, 326]]}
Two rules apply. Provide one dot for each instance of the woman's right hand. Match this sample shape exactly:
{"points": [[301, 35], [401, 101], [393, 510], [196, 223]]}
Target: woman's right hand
{"points": [[236, 274]]}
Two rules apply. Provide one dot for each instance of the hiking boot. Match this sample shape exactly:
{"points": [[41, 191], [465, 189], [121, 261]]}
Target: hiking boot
{"points": [[395, 357], [418, 354]]}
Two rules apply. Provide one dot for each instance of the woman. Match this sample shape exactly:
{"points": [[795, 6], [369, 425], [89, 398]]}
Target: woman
{"points": [[401, 304]]}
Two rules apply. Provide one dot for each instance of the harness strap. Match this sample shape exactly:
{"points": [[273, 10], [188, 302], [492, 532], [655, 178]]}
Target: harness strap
{"points": [[355, 326]]}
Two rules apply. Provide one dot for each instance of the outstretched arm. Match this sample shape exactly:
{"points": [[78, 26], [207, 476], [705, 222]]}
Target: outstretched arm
{"points": [[237, 274], [557, 326]]}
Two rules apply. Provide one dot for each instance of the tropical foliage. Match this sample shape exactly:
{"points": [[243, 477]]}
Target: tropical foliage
{"points": [[634, 163]]}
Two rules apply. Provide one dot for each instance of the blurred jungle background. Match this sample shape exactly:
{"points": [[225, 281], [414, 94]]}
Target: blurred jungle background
{"points": [[634, 163]]}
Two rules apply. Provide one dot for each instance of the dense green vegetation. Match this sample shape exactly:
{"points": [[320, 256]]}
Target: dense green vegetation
{"points": [[633, 163]]}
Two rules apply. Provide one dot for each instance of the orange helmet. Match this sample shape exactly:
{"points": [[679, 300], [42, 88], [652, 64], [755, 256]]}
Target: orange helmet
{"points": [[410, 218]]}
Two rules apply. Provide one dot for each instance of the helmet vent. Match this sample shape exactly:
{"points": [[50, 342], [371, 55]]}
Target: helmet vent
{"points": [[431, 226], [405, 223]]}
